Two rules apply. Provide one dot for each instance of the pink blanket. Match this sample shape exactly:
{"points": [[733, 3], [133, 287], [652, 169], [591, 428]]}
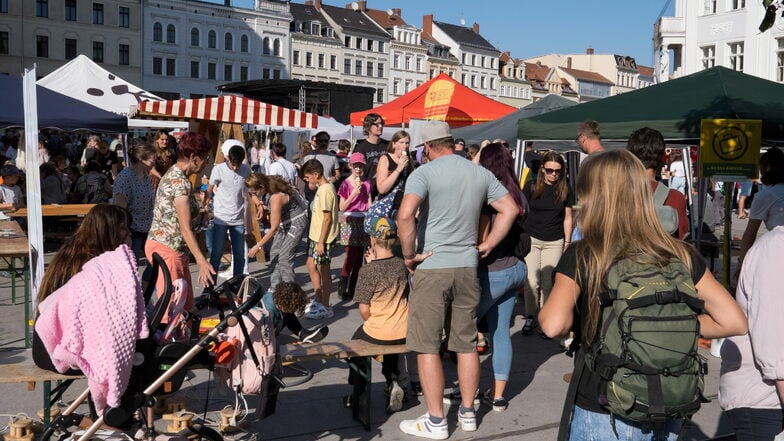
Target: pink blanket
{"points": [[93, 321]]}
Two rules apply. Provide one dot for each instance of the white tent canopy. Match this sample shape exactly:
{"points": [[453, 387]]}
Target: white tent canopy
{"points": [[84, 80]]}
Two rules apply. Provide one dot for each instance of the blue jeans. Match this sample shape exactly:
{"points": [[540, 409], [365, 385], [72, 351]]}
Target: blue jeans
{"points": [[496, 303], [215, 236], [756, 424], [594, 426]]}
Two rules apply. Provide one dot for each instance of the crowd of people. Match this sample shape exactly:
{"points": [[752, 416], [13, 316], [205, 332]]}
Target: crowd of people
{"points": [[431, 242]]}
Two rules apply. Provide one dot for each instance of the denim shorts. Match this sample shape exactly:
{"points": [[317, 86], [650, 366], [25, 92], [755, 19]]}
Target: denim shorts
{"points": [[594, 426]]}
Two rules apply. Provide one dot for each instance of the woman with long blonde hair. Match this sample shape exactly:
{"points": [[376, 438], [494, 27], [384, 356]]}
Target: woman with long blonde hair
{"points": [[619, 221]]}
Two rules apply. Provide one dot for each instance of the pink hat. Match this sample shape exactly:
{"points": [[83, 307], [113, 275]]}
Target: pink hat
{"points": [[357, 158]]}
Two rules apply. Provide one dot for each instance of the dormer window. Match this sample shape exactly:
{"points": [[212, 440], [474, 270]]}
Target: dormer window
{"points": [[298, 26], [315, 28]]}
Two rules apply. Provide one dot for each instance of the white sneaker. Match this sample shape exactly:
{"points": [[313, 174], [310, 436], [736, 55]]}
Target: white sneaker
{"points": [[422, 427], [396, 395], [310, 305], [467, 421], [319, 311], [313, 310]]}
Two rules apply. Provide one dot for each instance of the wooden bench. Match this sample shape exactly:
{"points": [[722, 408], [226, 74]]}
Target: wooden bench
{"points": [[297, 352], [18, 367]]}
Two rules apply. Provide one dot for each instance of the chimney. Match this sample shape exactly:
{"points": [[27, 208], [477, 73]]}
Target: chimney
{"points": [[317, 4], [227, 3], [362, 5], [308, 2], [427, 24], [568, 62], [589, 51], [476, 28], [397, 12]]}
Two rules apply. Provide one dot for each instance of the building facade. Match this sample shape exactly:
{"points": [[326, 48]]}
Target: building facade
{"points": [[49, 33], [316, 50], [514, 89], [708, 33], [193, 47]]}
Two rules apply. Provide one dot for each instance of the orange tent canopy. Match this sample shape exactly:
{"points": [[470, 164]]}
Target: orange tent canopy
{"points": [[441, 98]]}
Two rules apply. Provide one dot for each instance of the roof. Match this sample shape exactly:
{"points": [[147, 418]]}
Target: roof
{"points": [[645, 71], [385, 20], [536, 71], [305, 13], [465, 36], [349, 19], [584, 75], [625, 61]]}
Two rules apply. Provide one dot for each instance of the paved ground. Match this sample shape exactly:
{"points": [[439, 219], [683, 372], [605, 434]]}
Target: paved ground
{"points": [[313, 410]]}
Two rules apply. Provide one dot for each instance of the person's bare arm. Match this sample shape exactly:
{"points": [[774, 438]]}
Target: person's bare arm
{"points": [[182, 205], [385, 179], [567, 226], [507, 211], [723, 317], [364, 311], [406, 231], [556, 316], [277, 201]]}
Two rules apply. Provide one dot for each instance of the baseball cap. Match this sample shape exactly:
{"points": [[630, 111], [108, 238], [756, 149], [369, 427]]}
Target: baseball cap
{"points": [[357, 158], [228, 144], [383, 227], [431, 130], [9, 170]]}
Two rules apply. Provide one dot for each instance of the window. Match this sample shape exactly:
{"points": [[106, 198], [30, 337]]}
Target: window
{"points": [[42, 46], [347, 66], [275, 74], [408, 62], [708, 57], [492, 83], [98, 13], [228, 42], [266, 44], [358, 67], [473, 81], [463, 79], [228, 73], [171, 34], [157, 66], [265, 73], [370, 45], [359, 43], [333, 62], [315, 28], [98, 51], [4, 6], [276, 47], [738, 4], [243, 73], [736, 56], [473, 60], [483, 61], [308, 59], [195, 69], [295, 58], [157, 32], [321, 60], [380, 68], [379, 95], [70, 10], [408, 86], [503, 90], [369, 69], [125, 55], [396, 61], [380, 46], [4, 43], [779, 59], [41, 8], [211, 68], [710, 6], [347, 41], [124, 20], [396, 87], [419, 64], [244, 44], [171, 64], [212, 40], [195, 37], [483, 82]]}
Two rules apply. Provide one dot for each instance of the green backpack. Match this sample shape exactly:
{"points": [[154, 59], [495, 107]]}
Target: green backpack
{"points": [[646, 353]]}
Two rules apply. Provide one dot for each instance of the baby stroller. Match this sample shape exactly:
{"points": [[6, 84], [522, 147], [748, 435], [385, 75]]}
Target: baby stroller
{"points": [[158, 369]]}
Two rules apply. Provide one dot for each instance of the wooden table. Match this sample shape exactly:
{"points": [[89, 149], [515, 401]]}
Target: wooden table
{"points": [[57, 210], [13, 245]]}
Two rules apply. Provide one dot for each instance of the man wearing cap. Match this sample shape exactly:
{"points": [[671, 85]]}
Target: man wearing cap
{"points": [[451, 192]]}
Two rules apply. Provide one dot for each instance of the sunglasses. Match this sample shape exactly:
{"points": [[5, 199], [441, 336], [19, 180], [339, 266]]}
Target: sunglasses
{"points": [[553, 171]]}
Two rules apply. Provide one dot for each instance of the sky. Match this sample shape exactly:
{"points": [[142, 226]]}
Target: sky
{"points": [[529, 28]]}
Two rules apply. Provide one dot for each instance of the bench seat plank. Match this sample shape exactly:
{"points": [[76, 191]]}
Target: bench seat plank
{"points": [[18, 367], [296, 352]]}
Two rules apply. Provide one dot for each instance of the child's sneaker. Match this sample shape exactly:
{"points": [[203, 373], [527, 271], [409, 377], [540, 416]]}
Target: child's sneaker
{"points": [[396, 397], [455, 398], [498, 404], [425, 428], [416, 388], [313, 335], [467, 420]]}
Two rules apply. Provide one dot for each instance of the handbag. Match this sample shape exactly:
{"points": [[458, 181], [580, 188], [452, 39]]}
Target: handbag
{"points": [[386, 206]]}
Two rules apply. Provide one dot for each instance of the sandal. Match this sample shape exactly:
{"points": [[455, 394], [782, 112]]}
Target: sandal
{"points": [[528, 326]]}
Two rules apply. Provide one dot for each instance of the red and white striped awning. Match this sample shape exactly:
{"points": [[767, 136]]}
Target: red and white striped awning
{"points": [[229, 109]]}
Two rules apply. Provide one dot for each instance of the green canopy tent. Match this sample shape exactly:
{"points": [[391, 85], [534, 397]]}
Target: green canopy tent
{"points": [[675, 108]]}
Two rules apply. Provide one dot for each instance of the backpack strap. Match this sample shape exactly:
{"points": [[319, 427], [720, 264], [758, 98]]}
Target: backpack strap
{"points": [[660, 194], [664, 297], [571, 396]]}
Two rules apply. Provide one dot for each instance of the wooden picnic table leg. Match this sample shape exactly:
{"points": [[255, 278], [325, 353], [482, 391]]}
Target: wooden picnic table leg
{"points": [[47, 404], [26, 278], [12, 266]]}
